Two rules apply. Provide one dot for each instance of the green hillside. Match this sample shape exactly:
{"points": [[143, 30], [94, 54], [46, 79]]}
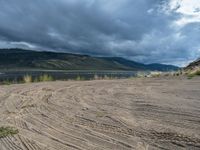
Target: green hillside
{"points": [[26, 59]]}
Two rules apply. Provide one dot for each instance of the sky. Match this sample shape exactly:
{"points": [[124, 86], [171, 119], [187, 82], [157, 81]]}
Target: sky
{"points": [[147, 31]]}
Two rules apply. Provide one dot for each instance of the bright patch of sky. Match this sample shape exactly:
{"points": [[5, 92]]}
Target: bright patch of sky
{"points": [[189, 9]]}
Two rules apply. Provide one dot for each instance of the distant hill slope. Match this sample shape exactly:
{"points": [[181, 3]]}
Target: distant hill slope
{"points": [[193, 65], [26, 59]]}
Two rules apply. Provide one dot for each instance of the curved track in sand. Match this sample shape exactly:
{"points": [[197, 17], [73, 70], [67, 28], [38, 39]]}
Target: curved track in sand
{"points": [[99, 115]]}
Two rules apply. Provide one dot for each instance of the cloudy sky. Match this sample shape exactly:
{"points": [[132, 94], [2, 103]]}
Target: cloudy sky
{"points": [[148, 31]]}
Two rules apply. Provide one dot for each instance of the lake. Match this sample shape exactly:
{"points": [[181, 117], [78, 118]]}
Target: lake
{"points": [[65, 75]]}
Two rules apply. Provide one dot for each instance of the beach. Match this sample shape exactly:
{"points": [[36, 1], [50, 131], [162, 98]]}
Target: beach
{"points": [[125, 114]]}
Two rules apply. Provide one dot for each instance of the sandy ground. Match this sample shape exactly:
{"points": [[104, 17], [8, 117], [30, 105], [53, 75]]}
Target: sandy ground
{"points": [[127, 114]]}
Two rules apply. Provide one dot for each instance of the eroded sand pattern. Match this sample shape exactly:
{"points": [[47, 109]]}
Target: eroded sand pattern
{"points": [[99, 115]]}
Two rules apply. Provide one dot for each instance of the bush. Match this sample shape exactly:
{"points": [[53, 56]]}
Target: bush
{"points": [[78, 78]]}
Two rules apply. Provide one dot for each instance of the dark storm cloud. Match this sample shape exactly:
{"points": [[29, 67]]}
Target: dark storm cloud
{"points": [[142, 30]]}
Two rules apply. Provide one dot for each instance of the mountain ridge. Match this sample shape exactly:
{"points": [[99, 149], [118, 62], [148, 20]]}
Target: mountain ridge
{"points": [[46, 60]]}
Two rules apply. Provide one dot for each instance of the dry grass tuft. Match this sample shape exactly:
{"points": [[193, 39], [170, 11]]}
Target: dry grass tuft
{"points": [[45, 78], [27, 79]]}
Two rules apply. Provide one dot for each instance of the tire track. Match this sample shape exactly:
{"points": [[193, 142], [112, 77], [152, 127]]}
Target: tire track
{"points": [[118, 114]]}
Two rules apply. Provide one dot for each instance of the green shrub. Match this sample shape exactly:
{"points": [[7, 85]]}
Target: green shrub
{"points": [[6, 131], [78, 78]]}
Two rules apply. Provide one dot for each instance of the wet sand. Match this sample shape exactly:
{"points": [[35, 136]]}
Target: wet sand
{"points": [[150, 113]]}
